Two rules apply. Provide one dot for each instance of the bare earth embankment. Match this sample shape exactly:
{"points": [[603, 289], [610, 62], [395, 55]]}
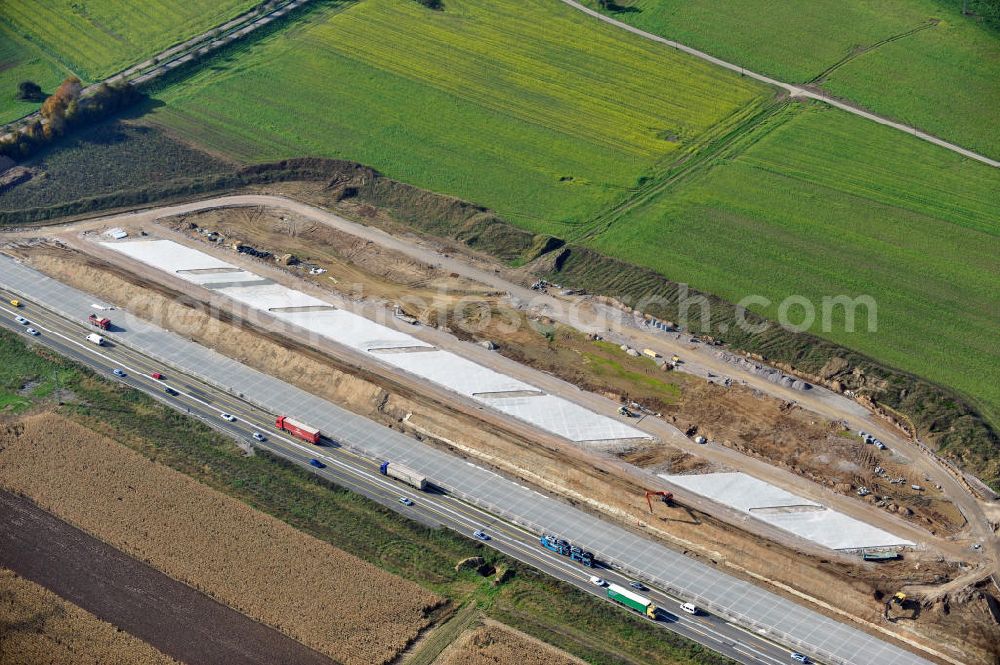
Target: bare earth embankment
{"points": [[324, 598], [37, 626]]}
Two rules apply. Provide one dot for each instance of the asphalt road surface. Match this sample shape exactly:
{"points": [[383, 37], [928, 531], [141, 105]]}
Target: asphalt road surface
{"points": [[475, 497], [700, 361], [360, 475]]}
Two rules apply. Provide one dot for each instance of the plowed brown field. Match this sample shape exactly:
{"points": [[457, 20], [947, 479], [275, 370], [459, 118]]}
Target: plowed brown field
{"points": [[307, 589], [37, 626]]}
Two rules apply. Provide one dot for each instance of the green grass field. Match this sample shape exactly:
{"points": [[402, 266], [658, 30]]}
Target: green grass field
{"points": [[20, 60], [942, 79], [824, 204], [97, 38], [527, 107]]}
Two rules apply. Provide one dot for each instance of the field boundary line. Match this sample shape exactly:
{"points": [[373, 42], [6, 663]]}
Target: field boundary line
{"points": [[728, 140], [850, 57], [793, 90]]}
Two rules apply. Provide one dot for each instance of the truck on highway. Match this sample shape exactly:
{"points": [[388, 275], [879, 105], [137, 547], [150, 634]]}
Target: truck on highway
{"points": [[560, 546], [94, 338], [297, 429], [631, 600], [403, 474], [103, 322]]}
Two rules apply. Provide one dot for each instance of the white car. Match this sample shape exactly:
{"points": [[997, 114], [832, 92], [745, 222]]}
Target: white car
{"points": [[406, 501], [599, 581], [228, 417], [32, 331], [258, 436], [20, 319], [690, 608]]}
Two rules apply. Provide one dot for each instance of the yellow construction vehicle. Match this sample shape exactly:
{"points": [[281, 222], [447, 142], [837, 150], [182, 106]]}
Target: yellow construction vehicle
{"points": [[15, 302]]}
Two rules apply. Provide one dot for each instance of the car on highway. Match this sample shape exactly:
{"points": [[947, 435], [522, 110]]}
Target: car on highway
{"points": [[481, 535], [801, 657], [20, 319], [228, 417], [32, 331], [638, 586], [157, 376], [316, 463], [170, 391], [406, 501], [690, 608], [259, 437], [119, 373], [599, 581]]}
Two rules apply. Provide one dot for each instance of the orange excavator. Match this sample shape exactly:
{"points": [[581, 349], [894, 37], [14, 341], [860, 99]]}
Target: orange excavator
{"points": [[665, 497]]}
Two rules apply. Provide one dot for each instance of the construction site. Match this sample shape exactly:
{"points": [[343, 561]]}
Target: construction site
{"points": [[666, 435]]}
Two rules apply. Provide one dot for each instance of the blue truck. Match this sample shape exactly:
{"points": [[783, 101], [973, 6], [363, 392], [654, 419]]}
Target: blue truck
{"points": [[565, 548]]}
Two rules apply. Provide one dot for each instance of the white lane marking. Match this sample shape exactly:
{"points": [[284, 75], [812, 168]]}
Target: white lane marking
{"points": [[385, 484]]}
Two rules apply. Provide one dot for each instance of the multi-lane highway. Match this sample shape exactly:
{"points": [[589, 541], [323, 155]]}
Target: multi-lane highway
{"points": [[360, 474], [234, 387]]}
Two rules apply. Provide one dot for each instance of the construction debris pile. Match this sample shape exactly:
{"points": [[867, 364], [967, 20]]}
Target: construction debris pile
{"points": [[771, 374]]}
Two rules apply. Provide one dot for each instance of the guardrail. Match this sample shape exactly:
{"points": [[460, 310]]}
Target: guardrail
{"points": [[727, 613]]}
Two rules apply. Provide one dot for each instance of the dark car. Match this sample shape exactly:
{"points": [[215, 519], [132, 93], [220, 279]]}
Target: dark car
{"points": [[170, 391], [316, 463], [638, 586]]}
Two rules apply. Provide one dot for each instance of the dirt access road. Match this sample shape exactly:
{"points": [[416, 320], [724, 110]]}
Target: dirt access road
{"points": [[699, 360], [793, 90]]}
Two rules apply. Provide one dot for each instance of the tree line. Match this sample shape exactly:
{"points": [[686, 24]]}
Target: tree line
{"points": [[63, 110]]}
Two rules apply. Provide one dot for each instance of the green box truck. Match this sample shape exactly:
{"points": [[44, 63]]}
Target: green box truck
{"points": [[632, 600]]}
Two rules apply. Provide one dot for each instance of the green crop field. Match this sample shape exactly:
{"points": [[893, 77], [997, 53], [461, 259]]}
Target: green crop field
{"points": [[97, 38], [822, 203], [527, 107], [20, 60], [942, 79]]}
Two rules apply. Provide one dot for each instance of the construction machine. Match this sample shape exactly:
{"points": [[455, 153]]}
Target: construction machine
{"points": [[665, 497]]}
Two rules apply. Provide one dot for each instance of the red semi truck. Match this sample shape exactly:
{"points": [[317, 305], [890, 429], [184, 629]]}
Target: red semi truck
{"points": [[295, 428], [102, 323]]}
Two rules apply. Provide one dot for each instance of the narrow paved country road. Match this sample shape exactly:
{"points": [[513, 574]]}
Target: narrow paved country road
{"points": [[793, 90]]}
